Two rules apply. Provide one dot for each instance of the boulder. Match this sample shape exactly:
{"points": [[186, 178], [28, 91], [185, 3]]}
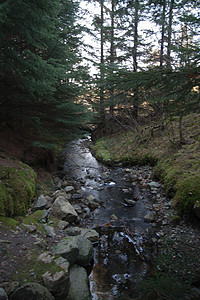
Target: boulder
{"points": [[58, 193], [86, 250], [9, 287], [3, 295], [68, 249], [32, 291], [57, 284], [90, 234], [72, 231], [79, 285], [62, 209], [40, 203]]}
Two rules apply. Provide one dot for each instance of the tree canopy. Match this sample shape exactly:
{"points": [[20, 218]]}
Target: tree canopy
{"points": [[146, 61], [41, 73]]}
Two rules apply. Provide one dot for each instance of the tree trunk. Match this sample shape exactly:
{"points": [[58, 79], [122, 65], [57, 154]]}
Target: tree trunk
{"points": [[102, 64], [135, 52], [162, 34], [112, 54], [169, 34]]}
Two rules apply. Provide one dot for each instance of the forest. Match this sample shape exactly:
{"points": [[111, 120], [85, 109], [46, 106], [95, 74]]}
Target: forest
{"points": [[144, 56], [126, 73]]}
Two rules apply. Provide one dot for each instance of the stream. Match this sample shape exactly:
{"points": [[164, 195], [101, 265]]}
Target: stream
{"points": [[123, 219]]}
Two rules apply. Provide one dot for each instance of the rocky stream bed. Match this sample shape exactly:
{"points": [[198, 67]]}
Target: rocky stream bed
{"points": [[97, 237]]}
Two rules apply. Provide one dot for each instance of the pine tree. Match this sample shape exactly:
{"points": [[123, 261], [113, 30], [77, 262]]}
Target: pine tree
{"points": [[40, 76]]}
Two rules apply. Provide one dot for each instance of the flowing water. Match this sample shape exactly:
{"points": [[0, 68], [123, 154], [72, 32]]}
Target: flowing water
{"points": [[124, 252]]}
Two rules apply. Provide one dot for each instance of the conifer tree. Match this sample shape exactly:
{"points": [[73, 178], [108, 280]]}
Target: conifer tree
{"points": [[40, 72]]}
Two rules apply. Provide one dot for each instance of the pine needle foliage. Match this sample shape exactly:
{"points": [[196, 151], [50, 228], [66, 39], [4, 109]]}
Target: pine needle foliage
{"points": [[40, 81]]}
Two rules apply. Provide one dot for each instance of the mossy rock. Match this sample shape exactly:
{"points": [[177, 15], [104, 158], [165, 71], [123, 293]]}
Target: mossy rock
{"points": [[17, 187], [188, 194]]}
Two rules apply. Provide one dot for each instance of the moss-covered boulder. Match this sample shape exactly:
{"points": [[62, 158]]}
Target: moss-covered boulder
{"points": [[17, 187]]}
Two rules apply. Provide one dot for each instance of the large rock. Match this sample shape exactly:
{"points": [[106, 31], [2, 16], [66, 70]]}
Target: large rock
{"points": [[3, 295], [57, 284], [9, 287], [32, 291], [86, 250], [79, 285], [41, 202], [62, 209], [90, 234], [68, 249]]}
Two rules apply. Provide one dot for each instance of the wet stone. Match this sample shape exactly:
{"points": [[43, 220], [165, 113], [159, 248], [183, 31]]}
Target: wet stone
{"points": [[69, 188], [149, 217]]}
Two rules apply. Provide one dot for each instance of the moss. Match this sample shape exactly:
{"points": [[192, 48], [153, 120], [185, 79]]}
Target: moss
{"points": [[187, 194], [9, 222], [36, 220], [17, 189], [33, 269]]}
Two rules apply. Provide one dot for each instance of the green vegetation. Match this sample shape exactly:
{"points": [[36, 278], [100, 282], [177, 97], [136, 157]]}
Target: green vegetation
{"points": [[36, 220], [33, 269], [17, 188], [177, 164]]}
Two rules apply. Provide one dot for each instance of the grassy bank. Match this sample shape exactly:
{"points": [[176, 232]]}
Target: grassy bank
{"points": [[177, 164]]}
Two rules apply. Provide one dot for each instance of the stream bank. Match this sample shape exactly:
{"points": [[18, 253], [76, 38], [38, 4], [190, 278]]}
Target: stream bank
{"points": [[143, 244], [141, 226]]}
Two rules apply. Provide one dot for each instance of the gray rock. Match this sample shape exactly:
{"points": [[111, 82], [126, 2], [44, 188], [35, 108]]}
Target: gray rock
{"points": [[57, 182], [3, 295], [77, 208], [62, 209], [69, 188], [90, 234], [30, 228], [50, 230], [153, 184], [90, 198], [149, 217], [46, 258], [9, 287], [86, 250], [79, 285], [32, 291], [58, 193], [73, 231], [62, 224], [68, 249], [41, 202], [62, 263], [58, 284], [92, 202]]}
